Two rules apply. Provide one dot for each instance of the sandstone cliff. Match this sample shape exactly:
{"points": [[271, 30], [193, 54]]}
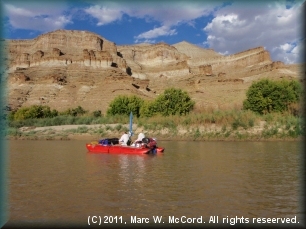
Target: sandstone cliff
{"points": [[61, 48], [67, 68]]}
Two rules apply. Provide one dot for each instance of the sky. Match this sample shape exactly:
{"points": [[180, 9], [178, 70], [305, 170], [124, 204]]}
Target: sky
{"points": [[228, 27]]}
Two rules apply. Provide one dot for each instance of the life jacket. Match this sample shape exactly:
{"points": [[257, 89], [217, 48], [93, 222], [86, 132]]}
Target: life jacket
{"points": [[150, 142]]}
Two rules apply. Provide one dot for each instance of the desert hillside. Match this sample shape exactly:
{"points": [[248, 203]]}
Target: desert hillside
{"points": [[68, 68]]}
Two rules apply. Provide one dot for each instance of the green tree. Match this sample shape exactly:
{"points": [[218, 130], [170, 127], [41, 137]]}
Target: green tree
{"points": [[33, 112], [267, 96], [173, 101], [123, 105]]}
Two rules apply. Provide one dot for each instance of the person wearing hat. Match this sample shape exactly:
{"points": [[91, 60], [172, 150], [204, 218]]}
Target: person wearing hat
{"points": [[138, 141], [140, 137]]}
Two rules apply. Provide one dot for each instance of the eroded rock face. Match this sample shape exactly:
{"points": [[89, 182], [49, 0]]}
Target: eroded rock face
{"points": [[202, 69], [153, 60], [19, 78], [86, 49], [61, 48], [63, 40], [157, 54], [269, 67], [65, 69]]}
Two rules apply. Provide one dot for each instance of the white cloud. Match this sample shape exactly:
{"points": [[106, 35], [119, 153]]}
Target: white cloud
{"points": [[299, 48], [166, 14], [286, 47], [245, 25], [104, 15], [289, 53], [170, 14], [12, 10], [42, 18], [157, 32]]}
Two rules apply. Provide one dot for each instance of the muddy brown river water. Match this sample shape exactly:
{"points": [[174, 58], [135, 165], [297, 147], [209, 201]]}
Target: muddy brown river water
{"points": [[192, 183]]}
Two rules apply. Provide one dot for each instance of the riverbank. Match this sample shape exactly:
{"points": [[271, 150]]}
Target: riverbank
{"points": [[210, 132]]}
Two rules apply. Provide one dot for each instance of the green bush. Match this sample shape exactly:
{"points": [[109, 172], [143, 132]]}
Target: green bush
{"points": [[123, 105], [97, 113], [148, 109], [266, 96], [172, 102], [78, 111], [33, 112]]}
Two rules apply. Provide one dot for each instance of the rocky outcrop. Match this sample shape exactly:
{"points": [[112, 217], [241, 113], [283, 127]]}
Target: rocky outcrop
{"points": [[19, 77], [65, 40], [221, 74], [37, 56], [152, 55], [153, 60], [86, 49], [193, 51], [268, 67], [246, 58], [202, 69], [61, 48], [96, 59], [137, 83], [250, 57], [65, 69]]}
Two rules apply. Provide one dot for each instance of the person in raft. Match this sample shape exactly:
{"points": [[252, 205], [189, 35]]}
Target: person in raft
{"points": [[138, 141], [124, 140]]}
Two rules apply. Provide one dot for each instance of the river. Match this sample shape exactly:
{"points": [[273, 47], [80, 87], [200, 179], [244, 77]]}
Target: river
{"points": [[60, 182]]}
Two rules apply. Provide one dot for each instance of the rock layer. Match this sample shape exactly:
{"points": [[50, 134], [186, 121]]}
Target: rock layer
{"points": [[68, 68], [61, 48]]}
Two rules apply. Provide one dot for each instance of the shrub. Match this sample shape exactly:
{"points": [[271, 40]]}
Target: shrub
{"points": [[78, 111], [266, 96], [33, 112], [124, 105], [148, 109], [97, 113], [172, 102]]}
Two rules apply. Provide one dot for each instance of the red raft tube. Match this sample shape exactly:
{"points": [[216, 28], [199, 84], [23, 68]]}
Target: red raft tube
{"points": [[147, 146]]}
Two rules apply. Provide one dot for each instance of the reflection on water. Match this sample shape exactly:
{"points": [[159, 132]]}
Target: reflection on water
{"points": [[52, 180]]}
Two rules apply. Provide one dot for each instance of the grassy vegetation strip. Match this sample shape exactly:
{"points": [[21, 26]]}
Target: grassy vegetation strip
{"points": [[216, 125]]}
